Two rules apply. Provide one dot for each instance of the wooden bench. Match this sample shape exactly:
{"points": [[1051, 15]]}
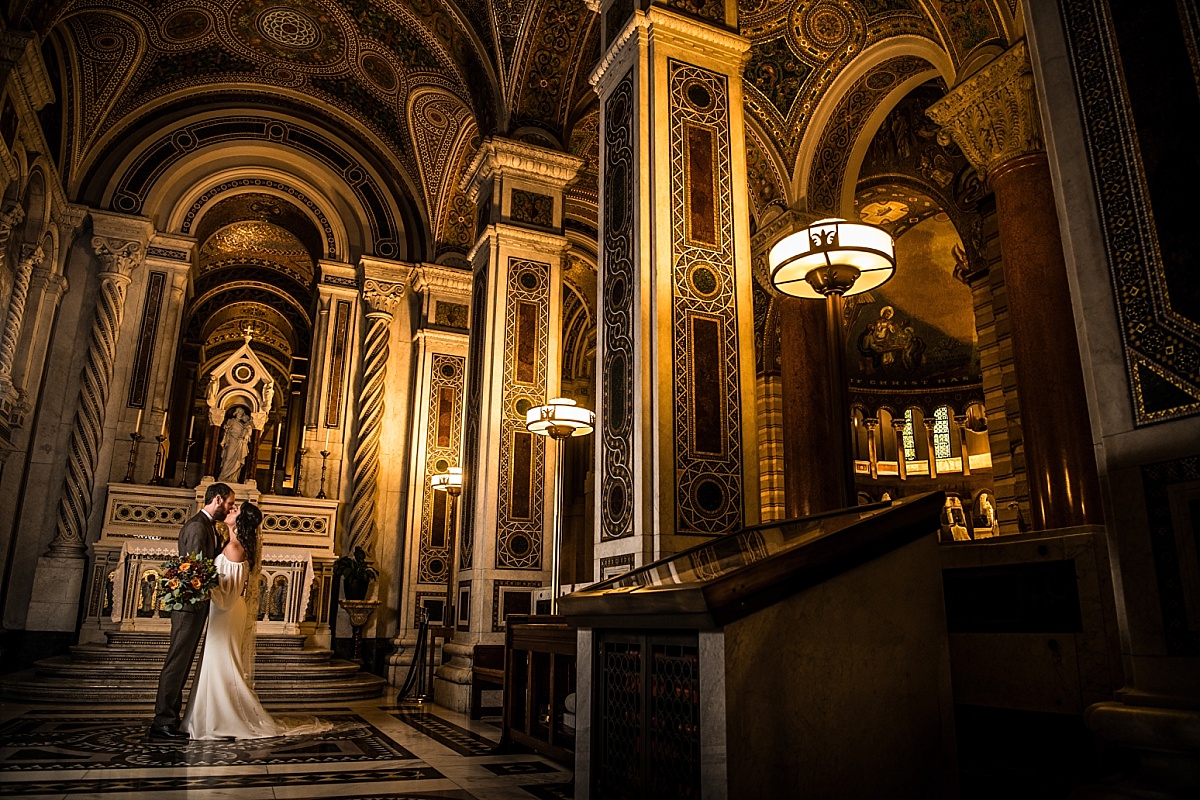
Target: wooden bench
{"points": [[487, 672]]}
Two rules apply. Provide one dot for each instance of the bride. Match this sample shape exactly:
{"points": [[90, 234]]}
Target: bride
{"points": [[223, 704]]}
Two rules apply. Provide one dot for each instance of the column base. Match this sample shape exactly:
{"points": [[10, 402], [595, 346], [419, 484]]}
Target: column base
{"points": [[400, 660], [1164, 743], [54, 604], [452, 680]]}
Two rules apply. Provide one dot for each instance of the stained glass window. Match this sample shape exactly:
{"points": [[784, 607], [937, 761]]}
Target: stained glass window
{"points": [[910, 444], [941, 432]]}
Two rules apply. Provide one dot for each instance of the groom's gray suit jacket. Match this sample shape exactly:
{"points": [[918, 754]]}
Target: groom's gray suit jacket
{"points": [[199, 535]]}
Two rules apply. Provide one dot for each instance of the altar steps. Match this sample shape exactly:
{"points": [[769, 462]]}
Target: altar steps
{"points": [[126, 671]]}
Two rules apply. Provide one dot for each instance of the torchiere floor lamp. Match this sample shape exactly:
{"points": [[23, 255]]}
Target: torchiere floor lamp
{"points": [[560, 419], [449, 482], [832, 259]]}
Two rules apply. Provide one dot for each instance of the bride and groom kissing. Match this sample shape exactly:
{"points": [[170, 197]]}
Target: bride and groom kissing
{"points": [[222, 704]]}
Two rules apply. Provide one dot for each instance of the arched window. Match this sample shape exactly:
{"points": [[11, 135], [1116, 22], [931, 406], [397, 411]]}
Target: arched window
{"points": [[941, 432], [910, 444]]}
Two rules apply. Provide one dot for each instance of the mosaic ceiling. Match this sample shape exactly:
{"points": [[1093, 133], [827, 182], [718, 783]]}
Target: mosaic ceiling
{"points": [[413, 84]]}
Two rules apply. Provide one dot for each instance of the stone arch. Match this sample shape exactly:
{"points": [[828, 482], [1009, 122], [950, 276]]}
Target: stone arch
{"points": [[850, 113]]}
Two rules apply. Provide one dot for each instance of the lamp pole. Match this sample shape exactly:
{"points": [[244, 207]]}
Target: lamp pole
{"points": [[449, 482], [829, 260], [560, 419]]}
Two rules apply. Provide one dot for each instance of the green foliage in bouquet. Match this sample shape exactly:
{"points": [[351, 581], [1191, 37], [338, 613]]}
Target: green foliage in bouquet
{"points": [[187, 580], [355, 569]]}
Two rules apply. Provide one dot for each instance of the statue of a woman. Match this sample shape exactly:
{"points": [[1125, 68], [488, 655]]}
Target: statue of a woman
{"points": [[235, 445]]}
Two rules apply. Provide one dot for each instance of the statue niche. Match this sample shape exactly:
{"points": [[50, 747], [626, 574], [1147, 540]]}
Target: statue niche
{"points": [[239, 395]]}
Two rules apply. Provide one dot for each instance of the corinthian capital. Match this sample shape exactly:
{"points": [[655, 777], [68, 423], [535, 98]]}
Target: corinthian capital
{"points": [[33, 255], [118, 256], [9, 219], [993, 115], [381, 297]]}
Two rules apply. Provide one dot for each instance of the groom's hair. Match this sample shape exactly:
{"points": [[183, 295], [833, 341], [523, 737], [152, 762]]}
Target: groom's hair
{"points": [[215, 489]]}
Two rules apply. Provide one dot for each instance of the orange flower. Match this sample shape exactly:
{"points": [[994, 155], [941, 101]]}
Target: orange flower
{"points": [[196, 583], [173, 584], [185, 566]]}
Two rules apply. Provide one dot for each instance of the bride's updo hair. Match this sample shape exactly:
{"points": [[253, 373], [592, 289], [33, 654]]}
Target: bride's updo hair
{"points": [[249, 518]]}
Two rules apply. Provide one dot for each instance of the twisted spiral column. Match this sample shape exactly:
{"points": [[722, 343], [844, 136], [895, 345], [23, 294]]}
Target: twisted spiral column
{"points": [[381, 299], [31, 258], [118, 259]]}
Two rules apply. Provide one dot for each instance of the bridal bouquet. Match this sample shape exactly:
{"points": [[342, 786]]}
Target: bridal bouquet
{"points": [[187, 580]]}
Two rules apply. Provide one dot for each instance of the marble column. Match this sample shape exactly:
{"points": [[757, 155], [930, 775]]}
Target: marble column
{"points": [[676, 436], [119, 244], [31, 258], [382, 291], [872, 425], [930, 424], [506, 532], [994, 119], [440, 353], [334, 353], [813, 471], [898, 425]]}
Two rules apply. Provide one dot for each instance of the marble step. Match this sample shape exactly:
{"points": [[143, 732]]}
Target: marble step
{"points": [[28, 687], [155, 641], [146, 671], [101, 654]]}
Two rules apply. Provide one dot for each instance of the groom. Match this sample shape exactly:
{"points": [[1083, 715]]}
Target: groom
{"points": [[199, 535]]}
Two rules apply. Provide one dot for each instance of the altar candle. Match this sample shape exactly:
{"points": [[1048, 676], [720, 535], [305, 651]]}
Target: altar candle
{"points": [[278, 434], [137, 426], [191, 427], [326, 438], [163, 432]]}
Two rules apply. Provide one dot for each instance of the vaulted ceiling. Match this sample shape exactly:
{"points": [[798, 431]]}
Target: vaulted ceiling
{"points": [[409, 86]]}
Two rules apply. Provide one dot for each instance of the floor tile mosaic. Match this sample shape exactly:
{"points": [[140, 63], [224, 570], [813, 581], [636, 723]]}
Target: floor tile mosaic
{"points": [[376, 751]]}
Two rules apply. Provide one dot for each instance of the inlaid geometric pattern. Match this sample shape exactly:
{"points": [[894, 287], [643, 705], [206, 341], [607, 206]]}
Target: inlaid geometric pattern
{"points": [[474, 409], [460, 740], [707, 413], [1160, 334], [32, 743], [522, 454], [617, 300], [442, 452]]}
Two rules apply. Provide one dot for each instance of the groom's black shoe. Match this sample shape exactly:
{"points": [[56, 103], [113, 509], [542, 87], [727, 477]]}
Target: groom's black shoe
{"points": [[167, 732]]}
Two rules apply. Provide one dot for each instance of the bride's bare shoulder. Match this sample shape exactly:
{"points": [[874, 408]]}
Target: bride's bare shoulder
{"points": [[234, 552]]}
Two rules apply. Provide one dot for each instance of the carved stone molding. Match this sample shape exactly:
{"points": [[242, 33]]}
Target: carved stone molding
{"points": [[68, 218], [505, 158], [550, 244], [10, 217], [993, 115], [31, 258], [117, 256], [709, 39], [443, 280], [20, 50], [381, 297]]}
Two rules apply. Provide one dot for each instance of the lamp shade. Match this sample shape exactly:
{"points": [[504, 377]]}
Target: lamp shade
{"points": [[449, 481], [832, 256], [559, 419]]}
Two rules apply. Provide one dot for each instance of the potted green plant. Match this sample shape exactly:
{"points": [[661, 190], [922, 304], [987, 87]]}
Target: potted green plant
{"points": [[356, 574]]}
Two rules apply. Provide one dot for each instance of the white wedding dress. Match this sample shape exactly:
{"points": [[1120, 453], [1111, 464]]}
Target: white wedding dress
{"points": [[222, 704]]}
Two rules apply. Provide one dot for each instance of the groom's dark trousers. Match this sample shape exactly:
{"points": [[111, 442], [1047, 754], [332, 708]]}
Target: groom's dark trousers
{"points": [[199, 535]]}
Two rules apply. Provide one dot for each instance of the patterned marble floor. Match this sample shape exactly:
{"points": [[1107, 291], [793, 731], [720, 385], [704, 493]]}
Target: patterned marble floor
{"points": [[377, 750]]}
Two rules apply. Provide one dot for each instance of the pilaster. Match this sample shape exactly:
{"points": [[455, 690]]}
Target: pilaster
{"points": [[334, 355], [993, 117], [119, 243], [676, 434], [516, 309], [440, 352]]}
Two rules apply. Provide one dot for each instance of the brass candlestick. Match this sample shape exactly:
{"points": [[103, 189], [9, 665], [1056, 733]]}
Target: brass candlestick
{"points": [[160, 461], [187, 459], [136, 439], [324, 459], [299, 470], [275, 451]]}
